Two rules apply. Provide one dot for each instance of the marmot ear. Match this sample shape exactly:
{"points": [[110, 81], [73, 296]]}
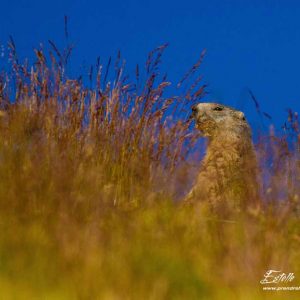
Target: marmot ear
{"points": [[241, 115]]}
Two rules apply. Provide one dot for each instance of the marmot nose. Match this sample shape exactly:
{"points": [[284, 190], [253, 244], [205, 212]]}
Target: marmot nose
{"points": [[194, 108], [193, 114]]}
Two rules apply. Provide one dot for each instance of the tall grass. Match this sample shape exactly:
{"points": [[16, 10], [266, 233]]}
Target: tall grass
{"points": [[91, 180]]}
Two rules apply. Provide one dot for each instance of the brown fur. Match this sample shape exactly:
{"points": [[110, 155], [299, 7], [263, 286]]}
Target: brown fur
{"points": [[228, 170]]}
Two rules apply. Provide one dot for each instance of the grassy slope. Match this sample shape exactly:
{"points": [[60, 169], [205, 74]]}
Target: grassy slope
{"points": [[87, 205]]}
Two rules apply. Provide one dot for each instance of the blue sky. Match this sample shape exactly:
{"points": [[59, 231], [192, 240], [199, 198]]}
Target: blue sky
{"points": [[250, 44]]}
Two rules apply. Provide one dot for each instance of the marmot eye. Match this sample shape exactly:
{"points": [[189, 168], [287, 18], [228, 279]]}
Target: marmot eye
{"points": [[218, 108]]}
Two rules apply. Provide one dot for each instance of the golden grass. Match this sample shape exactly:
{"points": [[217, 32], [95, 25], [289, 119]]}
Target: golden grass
{"points": [[89, 190]]}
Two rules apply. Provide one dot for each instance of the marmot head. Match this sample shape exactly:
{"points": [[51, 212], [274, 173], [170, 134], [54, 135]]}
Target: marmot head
{"points": [[213, 118]]}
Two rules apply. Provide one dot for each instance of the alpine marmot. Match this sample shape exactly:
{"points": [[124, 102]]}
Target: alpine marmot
{"points": [[229, 169]]}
